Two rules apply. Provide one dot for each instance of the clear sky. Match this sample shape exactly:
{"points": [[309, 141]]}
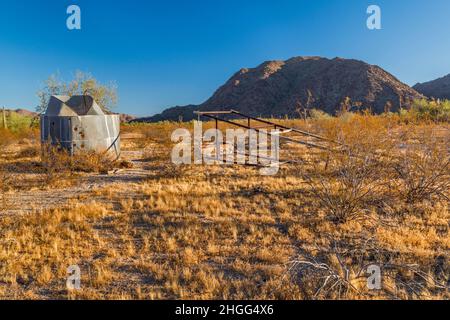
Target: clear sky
{"points": [[176, 52]]}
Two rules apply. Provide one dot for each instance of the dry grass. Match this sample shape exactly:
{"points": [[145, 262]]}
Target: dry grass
{"points": [[202, 232]]}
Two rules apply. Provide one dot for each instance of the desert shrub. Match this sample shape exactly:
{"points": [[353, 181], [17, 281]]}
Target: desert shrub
{"points": [[342, 273], [427, 110], [6, 138], [9, 137], [423, 172], [317, 114], [344, 185], [124, 164], [90, 161], [30, 152], [156, 139], [57, 163], [351, 174], [5, 185], [18, 123], [362, 130], [82, 83]]}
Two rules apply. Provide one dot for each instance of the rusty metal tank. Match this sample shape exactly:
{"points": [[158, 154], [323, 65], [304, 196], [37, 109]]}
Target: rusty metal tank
{"points": [[78, 123]]}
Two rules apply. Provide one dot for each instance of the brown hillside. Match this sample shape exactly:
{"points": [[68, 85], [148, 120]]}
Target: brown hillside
{"points": [[279, 88], [439, 88]]}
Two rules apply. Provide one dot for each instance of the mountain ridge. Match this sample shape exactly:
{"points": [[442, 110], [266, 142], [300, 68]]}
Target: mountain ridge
{"points": [[282, 88], [438, 88]]}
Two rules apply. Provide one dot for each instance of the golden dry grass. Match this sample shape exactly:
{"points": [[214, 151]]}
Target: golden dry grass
{"points": [[204, 232]]}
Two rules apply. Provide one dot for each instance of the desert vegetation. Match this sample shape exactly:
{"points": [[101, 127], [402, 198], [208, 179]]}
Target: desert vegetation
{"points": [[147, 229], [82, 83]]}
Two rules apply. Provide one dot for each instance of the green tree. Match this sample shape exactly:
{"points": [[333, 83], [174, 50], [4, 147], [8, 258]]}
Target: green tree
{"points": [[81, 84]]}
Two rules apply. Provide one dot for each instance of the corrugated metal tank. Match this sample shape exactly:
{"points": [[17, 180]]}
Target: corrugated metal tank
{"points": [[77, 123]]}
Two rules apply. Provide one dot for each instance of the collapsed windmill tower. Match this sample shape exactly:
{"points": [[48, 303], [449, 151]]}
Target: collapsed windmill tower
{"points": [[78, 123]]}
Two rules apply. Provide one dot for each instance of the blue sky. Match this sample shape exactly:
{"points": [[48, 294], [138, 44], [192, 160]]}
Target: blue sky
{"points": [[174, 52]]}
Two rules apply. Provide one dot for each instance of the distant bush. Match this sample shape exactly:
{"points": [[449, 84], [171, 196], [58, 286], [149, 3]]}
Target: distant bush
{"points": [[429, 110], [19, 127], [317, 114], [82, 84], [18, 123]]}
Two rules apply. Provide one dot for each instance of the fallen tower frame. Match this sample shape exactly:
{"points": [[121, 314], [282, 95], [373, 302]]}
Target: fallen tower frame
{"points": [[224, 117]]}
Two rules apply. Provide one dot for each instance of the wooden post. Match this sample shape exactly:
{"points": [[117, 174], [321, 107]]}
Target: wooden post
{"points": [[5, 125], [217, 141]]}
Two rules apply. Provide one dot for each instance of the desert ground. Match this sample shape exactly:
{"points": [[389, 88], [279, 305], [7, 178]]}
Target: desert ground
{"points": [[143, 228]]}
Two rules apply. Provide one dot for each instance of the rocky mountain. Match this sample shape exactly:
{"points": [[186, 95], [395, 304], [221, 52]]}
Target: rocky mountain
{"points": [[439, 88], [26, 113], [124, 118], [22, 112], [280, 88], [184, 113]]}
